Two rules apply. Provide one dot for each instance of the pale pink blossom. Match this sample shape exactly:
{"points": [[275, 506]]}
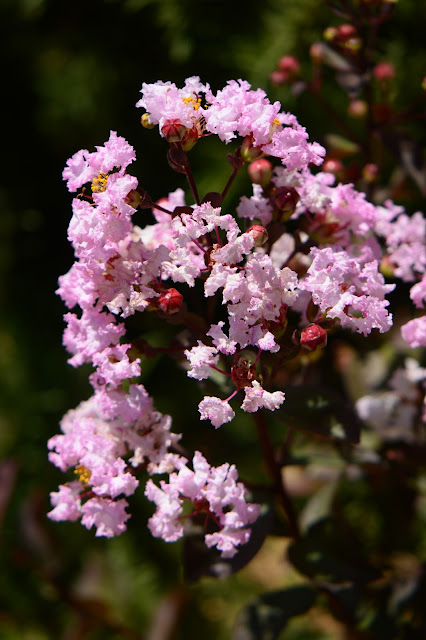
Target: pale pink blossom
{"points": [[216, 410], [257, 398]]}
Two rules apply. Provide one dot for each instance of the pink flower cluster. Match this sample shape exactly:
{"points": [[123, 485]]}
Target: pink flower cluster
{"points": [[250, 284], [213, 492]]}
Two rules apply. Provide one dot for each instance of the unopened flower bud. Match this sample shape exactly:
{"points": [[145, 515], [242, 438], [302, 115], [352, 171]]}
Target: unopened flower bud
{"points": [[384, 71], [387, 268], [316, 52], [174, 130], [313, 337], [145, 122], [278, 78], [259, 234], [248, 152], [170, 301], [260, 171], [289, 64], [352, 45], [370, 172], [190, 138], [330, 34], [358, 108], [346, 31], [284, 201]]}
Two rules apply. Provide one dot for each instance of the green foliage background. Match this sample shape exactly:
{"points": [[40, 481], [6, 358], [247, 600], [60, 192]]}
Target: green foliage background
{"points": [[71, 72]]}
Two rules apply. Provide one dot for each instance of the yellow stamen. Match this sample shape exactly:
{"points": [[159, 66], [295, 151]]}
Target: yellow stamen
{"points": [[99, 183], [196, 102], [276, 122], [83, 473]]}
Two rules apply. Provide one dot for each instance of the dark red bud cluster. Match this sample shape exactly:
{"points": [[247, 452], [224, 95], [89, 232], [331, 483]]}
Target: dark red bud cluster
{"points": [[345, 37], [174, 131], [284, 201], [313, 337], [243, 373]]}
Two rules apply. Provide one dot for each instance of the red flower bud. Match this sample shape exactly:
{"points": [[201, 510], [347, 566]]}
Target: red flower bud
{"points": [[174, 130], [345, 31], [170, 301], [243, 373], [260, 171], [384, 71], [313, 337], [259, 234], [289, 64], [278, 78]]}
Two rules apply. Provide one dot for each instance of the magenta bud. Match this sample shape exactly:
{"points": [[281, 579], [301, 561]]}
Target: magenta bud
{"points": [[174, 130], [313, 337], [259, 234], [170, 301], [260, 171]]}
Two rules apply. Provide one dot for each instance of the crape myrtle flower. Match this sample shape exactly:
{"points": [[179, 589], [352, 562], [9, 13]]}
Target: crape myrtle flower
{"points": [[214, 492], [348, 290], [264, 286]]}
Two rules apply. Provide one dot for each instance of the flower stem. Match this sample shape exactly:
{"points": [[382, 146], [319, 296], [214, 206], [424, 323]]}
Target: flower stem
{"points": [[275, 473]]}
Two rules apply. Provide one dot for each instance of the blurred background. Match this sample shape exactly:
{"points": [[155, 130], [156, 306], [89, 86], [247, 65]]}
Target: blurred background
{"points": [[72, 72]]}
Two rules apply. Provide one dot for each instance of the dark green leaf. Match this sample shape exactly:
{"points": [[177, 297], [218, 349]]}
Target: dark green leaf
{"points": [[199, 560], [321, 411], [329, 554]]}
